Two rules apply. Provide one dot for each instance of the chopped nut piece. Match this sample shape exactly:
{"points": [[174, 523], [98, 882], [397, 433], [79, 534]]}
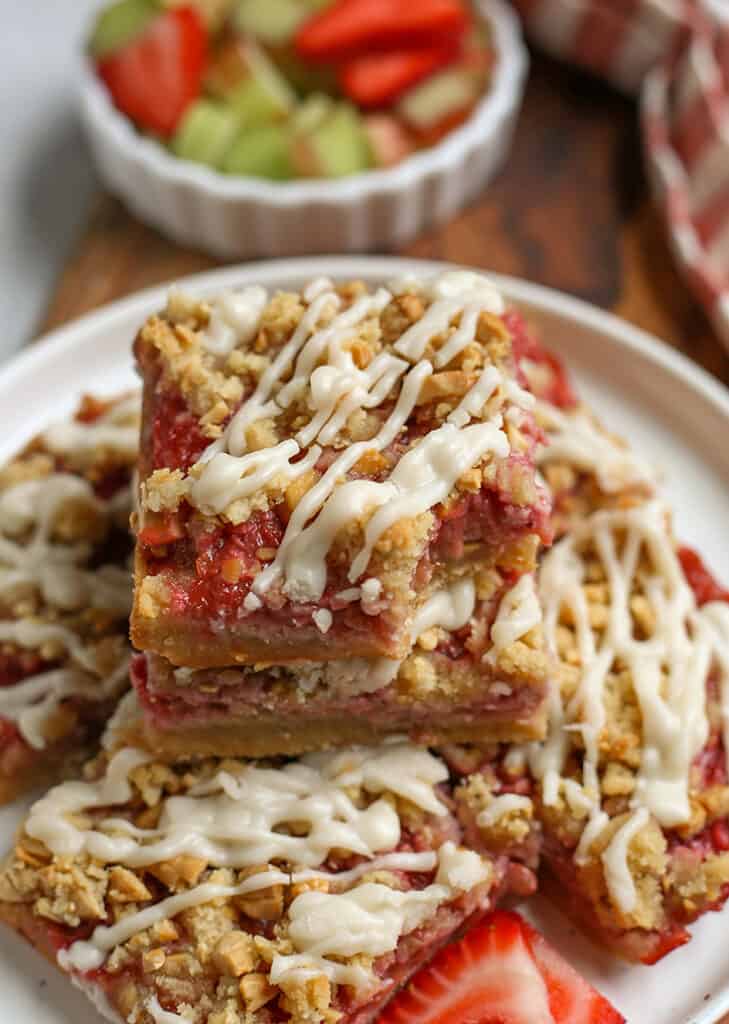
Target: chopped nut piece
{"points": [[153, 960], [235, 954], [178, 872], [256, 991], [126, 887]]}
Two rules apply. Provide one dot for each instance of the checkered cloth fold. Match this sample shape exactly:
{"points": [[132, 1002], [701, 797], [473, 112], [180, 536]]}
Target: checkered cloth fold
{"points": [[675, 55]]}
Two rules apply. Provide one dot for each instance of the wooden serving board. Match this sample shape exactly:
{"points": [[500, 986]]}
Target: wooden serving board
{"points": [[571, 210]]}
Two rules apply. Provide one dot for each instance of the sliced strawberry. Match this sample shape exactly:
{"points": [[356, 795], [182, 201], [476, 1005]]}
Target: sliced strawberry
{"points": [[501, 972], [155, 77], [571, 999], [377, 80], [355, 27]]}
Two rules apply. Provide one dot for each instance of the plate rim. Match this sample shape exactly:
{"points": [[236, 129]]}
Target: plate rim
{"points": [[62, 341]]}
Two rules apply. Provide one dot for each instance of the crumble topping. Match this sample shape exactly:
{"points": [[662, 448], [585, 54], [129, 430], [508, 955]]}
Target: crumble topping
{"points": [[631, 709], [577, 442], [312, 400], [65, 594], [223, 886]]}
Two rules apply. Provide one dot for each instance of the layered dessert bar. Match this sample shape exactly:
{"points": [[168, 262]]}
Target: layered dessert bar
{"points": [[65, 590], [221, 891], [477, 672], [633, 790], [316, 465]]}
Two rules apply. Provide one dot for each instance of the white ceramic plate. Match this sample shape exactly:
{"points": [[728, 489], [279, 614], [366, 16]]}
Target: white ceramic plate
{"points": [[670, 410]]}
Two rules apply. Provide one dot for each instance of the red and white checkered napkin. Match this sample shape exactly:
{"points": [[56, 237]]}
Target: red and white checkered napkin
{"points": [[676, 54]]}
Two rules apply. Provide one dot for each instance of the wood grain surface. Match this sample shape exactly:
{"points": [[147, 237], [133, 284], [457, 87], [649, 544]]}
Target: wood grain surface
{"points": [[571, 210]]}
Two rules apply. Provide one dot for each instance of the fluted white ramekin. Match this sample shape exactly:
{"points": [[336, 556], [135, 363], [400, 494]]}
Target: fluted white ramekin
{"points": [[245, 217]]}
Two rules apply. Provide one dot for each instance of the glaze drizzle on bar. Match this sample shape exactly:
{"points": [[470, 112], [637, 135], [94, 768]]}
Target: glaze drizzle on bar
{"points": [[668, 668], [34, 559], [239, 818], [333, 390]]}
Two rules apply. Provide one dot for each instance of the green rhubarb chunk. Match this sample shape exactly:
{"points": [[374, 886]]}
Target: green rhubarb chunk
{"points": [[336, 147], [438, 97], [242, 75], [118, 24], [311, 112], [273, 22], [206, 133], [264, 95], [261, 152]]}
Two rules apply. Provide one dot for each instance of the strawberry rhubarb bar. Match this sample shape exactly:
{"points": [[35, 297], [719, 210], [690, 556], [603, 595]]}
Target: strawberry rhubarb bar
{"points": [[223, 891], [477, 672], [65, 590], [633, 790], [316, 465]]}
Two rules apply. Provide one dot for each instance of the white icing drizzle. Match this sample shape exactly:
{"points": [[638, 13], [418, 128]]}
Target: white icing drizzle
{"points": [[116, 429], [368, 919], [425, 476], [54, 568], [88, 955], [234, 319], [227, 478], [574, 437], [232, 820], [322, 619], [449, 608], [500, 807], [669, 670], [33, 701], [162, 1016], [615, 861], [323, 369], [32, 556], [519, 612]]}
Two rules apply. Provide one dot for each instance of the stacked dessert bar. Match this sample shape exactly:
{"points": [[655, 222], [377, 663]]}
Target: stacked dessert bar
{"points": [[339, 521]]}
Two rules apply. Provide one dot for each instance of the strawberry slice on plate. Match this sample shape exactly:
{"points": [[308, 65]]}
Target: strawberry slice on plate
{"points": [[155, 76], [500, 972]]}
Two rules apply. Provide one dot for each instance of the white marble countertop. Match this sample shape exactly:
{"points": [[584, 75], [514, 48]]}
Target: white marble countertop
{"points": [[46, 179]]}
